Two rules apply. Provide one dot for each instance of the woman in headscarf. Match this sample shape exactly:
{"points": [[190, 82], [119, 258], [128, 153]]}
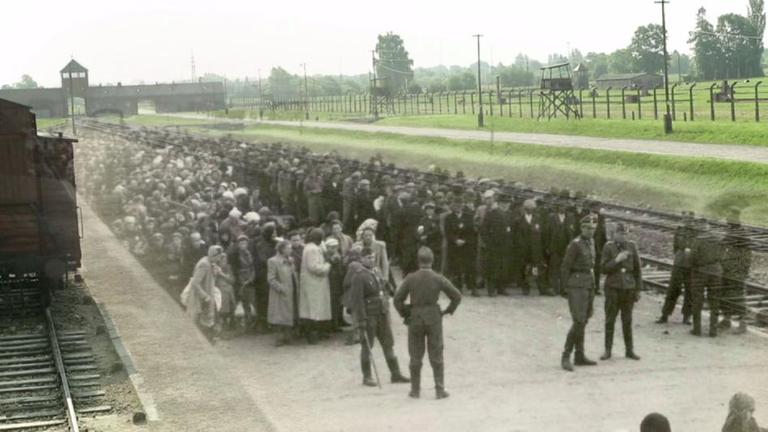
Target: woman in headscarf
{"points": [[372, 223], [265, 249], [740, 411], [282, 279], [314, 287], [201, 304]]}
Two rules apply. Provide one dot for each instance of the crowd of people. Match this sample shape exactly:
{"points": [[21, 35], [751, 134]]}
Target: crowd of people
{"points": [[287, 223]]}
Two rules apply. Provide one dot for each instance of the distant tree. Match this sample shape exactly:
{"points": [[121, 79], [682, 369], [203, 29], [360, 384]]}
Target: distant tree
{"points": [[647, 49], [26, 82], [462, 81], [620, 61], [437, 87], [706, 47], [597, 63], [394, 66], [739, 53], [757, 17], [556, 58], [282, 84], [414, 88], [575, 57]]}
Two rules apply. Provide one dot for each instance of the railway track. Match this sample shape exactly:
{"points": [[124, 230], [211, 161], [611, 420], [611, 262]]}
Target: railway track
{"points": [[48, 376], [657, 274]]}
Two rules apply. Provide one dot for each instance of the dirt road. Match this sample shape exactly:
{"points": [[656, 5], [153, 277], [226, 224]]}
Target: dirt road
{"points": [[502, 362]]}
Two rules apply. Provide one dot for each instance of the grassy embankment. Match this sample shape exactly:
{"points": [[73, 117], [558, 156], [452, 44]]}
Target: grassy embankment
{"points": [[665, 182], [706, 132]]}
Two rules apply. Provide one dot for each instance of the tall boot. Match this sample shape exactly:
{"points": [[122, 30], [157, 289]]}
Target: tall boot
{"points": [[415, 381], [365, 365], [565, 360], [696, 331], [629, 345], [394, 370], [608, 342], [580, 359], [438, 373]]}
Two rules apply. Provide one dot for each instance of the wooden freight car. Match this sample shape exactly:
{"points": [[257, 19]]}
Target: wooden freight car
{"points": [[39, 232]]}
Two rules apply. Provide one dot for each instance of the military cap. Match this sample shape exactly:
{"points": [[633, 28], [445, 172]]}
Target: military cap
{"points": [[588, 220]]}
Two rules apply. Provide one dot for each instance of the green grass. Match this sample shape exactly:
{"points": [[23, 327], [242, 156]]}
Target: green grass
{"points": [[663, 182], [755, 134], [44, 123]]}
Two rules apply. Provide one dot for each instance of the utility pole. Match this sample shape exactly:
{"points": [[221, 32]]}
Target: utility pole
{"points": [[479, 84], [374, 95], [667, 115], [306, 93], [72, 102]]}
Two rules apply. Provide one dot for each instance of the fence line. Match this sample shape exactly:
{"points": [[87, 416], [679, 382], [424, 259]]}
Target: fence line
{"points": [[688, 102]]}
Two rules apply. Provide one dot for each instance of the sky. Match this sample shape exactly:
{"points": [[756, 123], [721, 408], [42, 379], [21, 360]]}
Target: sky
{"points": [[154, 40]]}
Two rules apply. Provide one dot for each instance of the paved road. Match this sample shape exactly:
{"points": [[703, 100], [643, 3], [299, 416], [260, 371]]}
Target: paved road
{"points": [[669, 148]]}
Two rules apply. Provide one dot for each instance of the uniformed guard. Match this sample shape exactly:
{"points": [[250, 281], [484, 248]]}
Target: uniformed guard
{"points": [[736, 261], [680, 279], [370, 307], [620, 262], [706, 253], [577, 275], [425, 319]]}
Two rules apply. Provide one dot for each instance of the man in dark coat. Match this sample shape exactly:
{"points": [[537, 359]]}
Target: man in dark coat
{"points": [[559, 232], [407, 223], [461, 239], [680, 279], [530, 254], [425, 319], [370, 307], [495, 226], [576, 274], [429, 232], [621, 265]]}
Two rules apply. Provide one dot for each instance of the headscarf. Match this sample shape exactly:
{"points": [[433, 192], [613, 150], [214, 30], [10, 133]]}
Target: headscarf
{"points": [[739, 417], [372, 223]]}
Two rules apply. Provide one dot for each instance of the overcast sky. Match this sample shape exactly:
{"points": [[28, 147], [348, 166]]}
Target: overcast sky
{"points": [[153, 40]]}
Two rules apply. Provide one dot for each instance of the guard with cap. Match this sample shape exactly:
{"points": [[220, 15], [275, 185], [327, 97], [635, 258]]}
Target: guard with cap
{"points": [[425, 319], [370, 308], [620, 263], [680, 278], [577, 275]]}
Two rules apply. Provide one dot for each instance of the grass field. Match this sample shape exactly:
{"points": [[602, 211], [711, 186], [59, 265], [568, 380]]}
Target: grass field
{"points": [[755, 134], [671, 183], [706, 132]]}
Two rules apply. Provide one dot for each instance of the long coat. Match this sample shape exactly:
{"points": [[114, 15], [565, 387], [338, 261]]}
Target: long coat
{"points": [[201, 286], [282, 278], [314, 287]]}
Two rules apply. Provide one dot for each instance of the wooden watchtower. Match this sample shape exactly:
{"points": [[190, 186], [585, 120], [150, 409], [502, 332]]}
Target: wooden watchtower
{"points": [[556, 92]]}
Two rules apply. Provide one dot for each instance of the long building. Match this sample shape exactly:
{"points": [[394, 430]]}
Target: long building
{"points": [[119, 99]]}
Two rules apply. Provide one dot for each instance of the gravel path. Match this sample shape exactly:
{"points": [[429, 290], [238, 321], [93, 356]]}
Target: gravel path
{"points": [[667, 148]]}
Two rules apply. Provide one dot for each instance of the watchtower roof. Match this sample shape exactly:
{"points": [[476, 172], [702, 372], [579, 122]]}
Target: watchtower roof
{"points": [[74, 66]]}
